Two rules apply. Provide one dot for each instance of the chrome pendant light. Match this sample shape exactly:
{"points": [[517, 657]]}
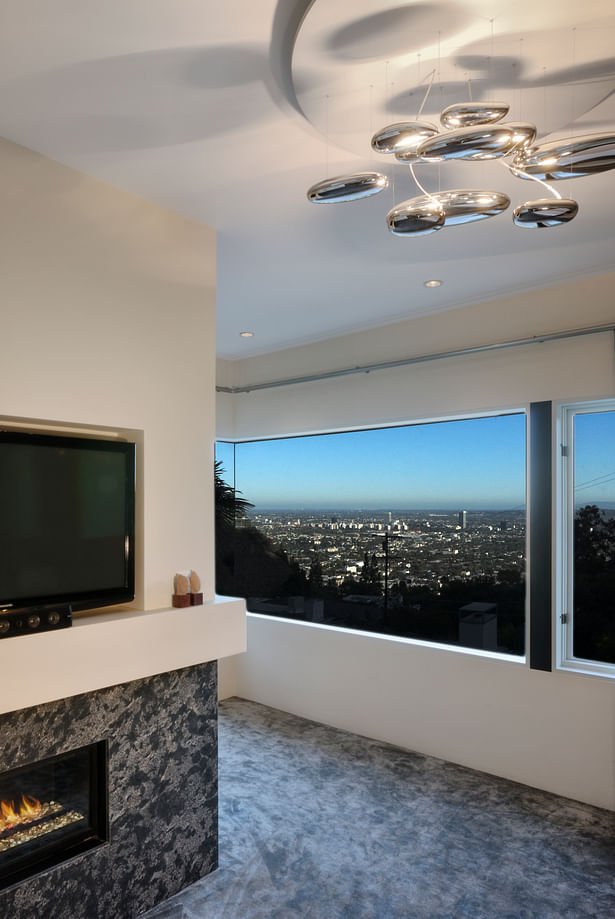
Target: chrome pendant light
{"points": [[408, 157], [474, 132], [427, 213], [545, 212], [467, 205], [468, 114], [524, 134], [402, 137], [474, 143], [416, 217], [571, 158], [348, 187]]}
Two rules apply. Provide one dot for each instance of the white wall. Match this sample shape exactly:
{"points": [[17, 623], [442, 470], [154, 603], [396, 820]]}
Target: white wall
{"points": [[550, 730], [227, 677], [108, 321], [485, 381]]}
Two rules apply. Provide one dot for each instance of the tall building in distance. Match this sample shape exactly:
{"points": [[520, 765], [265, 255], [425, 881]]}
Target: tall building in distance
{"points": [[463, 519]]}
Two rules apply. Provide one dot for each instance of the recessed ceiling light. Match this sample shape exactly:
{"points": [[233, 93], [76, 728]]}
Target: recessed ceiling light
{"points": [[433, 283], [247, 334]]}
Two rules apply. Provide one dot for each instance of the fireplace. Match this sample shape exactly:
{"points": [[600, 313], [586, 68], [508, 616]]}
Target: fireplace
{"points": [[159, 757], [52, 810]]}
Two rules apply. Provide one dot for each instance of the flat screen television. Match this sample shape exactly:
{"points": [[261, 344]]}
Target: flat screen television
{"points": [[67, 518]]}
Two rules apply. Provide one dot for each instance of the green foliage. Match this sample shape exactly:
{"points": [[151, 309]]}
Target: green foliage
{"points": [[263, 569], [422, 612], [248, 563], [370, 582], [229, 507], [594, 585], [316, 581]]}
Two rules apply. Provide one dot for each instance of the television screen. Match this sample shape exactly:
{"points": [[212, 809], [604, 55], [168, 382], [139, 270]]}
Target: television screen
{"points": [[66, 520]]}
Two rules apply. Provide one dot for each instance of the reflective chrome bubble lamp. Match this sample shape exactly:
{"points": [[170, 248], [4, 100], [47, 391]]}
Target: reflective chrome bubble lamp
{"points": [[474, 131]]}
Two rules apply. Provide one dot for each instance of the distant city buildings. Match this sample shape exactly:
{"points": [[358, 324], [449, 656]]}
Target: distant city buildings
{"points": [[425, 548]]}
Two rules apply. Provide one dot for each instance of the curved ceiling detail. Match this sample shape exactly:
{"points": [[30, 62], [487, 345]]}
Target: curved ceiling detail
{"points": [[394, 31], [228, 113], [370, 62]]}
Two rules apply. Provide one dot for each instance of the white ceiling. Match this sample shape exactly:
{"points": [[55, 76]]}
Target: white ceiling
{"points": [[227, 112]]}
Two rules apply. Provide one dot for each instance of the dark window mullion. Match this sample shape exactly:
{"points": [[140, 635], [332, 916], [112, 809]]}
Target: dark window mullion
{"points": [[540, 532]]}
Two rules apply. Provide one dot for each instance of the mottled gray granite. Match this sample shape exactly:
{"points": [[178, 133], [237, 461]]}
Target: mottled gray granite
{"points": [[317, 823], [162, 734]]}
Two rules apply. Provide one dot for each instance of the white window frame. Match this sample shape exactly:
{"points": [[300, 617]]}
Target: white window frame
{"points": [[564, 626]]}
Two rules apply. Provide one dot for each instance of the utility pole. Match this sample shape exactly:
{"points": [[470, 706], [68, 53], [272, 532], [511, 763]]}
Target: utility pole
{"points": [[386, 572]]}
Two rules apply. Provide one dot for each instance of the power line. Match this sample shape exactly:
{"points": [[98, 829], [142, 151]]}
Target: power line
{"points": [[597, 482]]}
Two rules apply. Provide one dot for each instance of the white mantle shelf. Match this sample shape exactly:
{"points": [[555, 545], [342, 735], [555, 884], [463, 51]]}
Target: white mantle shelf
{"points": [[104, 648]]}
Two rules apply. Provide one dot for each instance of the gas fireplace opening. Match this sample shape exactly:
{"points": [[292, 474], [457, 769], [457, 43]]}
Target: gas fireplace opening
{"points": [[52, 810]]}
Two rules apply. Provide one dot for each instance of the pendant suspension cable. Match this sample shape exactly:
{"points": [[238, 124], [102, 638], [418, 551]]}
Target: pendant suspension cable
{"points": [[327, 135], [490, 66], [371, 120], [526, 175], [573, 94], [426, 96], [519, 75], [424, 190]]}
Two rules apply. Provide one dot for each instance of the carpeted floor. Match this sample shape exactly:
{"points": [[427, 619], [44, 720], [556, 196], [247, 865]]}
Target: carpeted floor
{"points": [[317, 823]]}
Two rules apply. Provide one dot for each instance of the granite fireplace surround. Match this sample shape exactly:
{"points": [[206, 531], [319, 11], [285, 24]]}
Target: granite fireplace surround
{"points": [[163, 783]]}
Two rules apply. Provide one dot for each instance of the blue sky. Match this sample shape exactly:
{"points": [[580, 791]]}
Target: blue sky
{"points": [[474, 463], [594, 458]]}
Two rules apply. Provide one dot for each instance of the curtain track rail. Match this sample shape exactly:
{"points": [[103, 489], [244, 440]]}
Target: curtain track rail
{"points": [[418, 359]]}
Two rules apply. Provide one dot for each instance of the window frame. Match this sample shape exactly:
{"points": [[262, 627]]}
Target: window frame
{"points": [[564, 605], [523, 409]]}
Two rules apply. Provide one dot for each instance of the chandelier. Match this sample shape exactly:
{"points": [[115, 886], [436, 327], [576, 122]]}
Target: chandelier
{"points": [[474, 131]]}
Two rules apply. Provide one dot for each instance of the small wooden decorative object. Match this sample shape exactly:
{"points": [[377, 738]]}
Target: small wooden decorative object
{"points": [[181, 600], [181, 589], [187, 589], [196, 596]]}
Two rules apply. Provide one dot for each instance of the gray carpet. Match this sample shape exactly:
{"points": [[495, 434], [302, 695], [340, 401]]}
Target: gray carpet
{"points": [[317, 823]]}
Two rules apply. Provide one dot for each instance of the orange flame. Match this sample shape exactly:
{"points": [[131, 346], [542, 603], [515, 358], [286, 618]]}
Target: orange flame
{"points": [[10, 816]]}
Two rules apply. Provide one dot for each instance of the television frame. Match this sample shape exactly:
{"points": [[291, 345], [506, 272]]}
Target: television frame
{"points": [[94, 598]]}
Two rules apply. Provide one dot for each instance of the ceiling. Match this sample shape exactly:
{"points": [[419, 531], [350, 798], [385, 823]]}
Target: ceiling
{"points": [[228, 112]]}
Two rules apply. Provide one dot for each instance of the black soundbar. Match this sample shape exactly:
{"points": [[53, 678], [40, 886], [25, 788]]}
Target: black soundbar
{"points": [[31, 619]]}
